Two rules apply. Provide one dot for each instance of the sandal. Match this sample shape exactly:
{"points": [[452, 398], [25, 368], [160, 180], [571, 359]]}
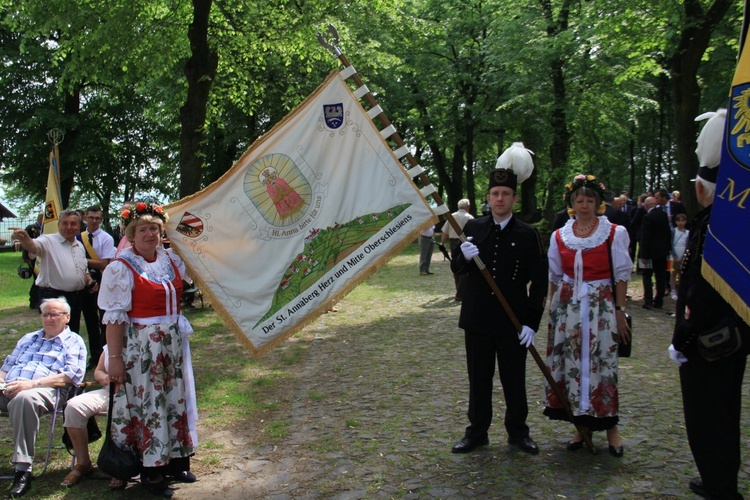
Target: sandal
{"points": [[79, 472], [117, 484]]}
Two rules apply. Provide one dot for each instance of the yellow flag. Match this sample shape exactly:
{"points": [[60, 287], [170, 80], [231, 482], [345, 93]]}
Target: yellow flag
{"points": [[52, 204]]}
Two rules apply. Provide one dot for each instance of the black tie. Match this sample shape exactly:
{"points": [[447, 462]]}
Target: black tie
{"points": [[91, 236]]}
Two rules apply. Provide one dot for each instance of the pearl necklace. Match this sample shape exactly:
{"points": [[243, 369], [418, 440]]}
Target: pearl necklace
{"points": [[587, 231]]}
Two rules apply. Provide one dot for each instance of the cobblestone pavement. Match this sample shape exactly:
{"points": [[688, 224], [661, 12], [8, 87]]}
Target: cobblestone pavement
{"points": [[380, 405]]}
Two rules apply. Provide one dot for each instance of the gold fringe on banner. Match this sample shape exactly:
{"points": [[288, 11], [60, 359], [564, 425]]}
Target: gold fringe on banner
{"points": [[726, 291]]}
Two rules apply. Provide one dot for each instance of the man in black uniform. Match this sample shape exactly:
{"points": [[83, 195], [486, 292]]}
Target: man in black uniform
{"points": [[711, 390], [513, 253]]}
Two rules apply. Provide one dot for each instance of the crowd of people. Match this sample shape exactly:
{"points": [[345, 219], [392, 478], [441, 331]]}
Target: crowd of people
{"points": [[137, 340]]}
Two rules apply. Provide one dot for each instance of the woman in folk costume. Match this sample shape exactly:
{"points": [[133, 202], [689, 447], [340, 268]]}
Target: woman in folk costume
{"points": [[585, 324], [149, 357]]}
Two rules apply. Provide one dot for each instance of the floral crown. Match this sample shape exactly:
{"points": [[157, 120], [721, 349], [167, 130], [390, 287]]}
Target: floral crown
{"points": [[585, 181], [130, 214]]}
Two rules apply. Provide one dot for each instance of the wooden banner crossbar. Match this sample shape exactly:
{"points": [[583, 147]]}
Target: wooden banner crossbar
{"points": [[362, 92]]}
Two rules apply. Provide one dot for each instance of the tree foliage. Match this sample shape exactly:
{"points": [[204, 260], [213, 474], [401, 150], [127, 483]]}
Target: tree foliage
{"points": [[158, 98]]}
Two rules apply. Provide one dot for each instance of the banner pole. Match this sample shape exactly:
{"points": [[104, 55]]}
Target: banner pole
{"points": [[336, 51]]}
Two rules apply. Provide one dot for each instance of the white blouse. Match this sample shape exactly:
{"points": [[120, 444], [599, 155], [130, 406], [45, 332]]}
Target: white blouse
{"points": [[116, 291], [621, 261]]}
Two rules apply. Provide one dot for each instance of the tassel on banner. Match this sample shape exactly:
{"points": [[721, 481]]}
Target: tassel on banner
{"points": [[429, 189]]}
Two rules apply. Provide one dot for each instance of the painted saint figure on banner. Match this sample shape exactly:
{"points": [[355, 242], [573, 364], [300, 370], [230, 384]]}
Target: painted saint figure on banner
{"points": [[278, 189], [286, 199]]}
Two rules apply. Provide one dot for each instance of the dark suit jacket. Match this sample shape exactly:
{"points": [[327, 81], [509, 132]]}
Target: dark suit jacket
{"points": [[656, 240], [518, 261], [561, 218], [616, 216]]}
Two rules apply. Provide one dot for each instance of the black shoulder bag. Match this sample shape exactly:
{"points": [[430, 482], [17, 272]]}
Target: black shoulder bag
{"points": [[118, 463], [623, 349]]}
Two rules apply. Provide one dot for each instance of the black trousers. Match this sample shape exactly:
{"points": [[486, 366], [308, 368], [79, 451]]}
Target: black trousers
{"points": [[482, 349], [711, 399], [74, 300], [659, 272], [92, 316]]}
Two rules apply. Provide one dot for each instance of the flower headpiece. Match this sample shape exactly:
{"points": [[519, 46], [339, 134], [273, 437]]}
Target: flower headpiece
{"points": [[133, 212], [587, 181]]}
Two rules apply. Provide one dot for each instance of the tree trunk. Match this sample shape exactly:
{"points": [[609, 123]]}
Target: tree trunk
{"points": [[683, 68], [200, 71]]}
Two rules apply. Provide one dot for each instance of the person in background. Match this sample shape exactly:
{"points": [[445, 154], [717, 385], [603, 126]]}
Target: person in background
{"points": [[711, 390], [34, 230], [655, 245], [461, 216], [585, 322], [100, 249], [426, 246], [513, 253], [40, 361], [149, 354], [680, 237]]}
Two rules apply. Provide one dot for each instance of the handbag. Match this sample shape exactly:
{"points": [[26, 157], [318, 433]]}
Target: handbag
{"points": [[113, 460], [25, 271], [623, 349], [92, 429], [719, 342]]}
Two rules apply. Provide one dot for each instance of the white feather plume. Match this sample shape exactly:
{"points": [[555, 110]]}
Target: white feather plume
{"points": [[518, 160], [709, 140]]}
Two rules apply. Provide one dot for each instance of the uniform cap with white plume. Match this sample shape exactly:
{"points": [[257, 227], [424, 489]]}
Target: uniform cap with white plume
{"points": [[513, 166], [709, 144]]}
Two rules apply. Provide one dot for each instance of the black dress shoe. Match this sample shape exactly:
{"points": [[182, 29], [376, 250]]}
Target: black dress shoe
{"points": [[647, 306], [696, 486], [185, 477], [465, 445], [526, 444], [616, 451], [21, 484]]}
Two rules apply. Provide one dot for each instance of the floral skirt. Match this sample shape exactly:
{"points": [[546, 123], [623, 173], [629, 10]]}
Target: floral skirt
{"points": [[150, 413], [582, 355]]}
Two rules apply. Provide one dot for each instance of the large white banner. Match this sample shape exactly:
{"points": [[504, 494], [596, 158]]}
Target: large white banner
{"points": [[310, 210]]}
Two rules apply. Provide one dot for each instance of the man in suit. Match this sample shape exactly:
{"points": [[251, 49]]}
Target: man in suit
{"points": [[669, 206], [656, 242], [514, 255]]}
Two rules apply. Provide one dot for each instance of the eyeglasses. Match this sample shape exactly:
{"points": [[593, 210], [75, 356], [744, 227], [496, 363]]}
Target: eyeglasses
{"points": [[93, 218], [53, 315]]}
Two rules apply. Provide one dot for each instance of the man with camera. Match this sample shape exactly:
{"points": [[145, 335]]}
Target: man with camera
{"points": [[63, 270]]}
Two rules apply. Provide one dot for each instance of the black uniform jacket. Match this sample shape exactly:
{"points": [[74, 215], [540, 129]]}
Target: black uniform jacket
{"points": [[517, 261], [707, 308]]}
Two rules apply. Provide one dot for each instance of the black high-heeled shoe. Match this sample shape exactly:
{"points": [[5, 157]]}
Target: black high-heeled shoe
{"points": [[577, 445], [158, 488], [616, 451]]}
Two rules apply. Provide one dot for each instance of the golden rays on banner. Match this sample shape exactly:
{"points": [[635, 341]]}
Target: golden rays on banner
{"points": [[311, 210]]}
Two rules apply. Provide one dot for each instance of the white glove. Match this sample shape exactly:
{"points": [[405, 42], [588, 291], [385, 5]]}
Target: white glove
{"points": [[677, 356], [469, 249], [526, 336]]}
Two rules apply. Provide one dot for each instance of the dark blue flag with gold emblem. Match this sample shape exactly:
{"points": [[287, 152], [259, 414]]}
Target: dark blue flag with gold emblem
{"points": [[726, 255]]}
